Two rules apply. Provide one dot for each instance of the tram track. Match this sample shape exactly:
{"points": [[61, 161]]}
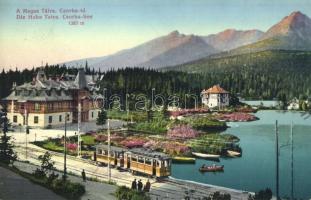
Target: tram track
{"points": [[156, 190], [163, 187]]}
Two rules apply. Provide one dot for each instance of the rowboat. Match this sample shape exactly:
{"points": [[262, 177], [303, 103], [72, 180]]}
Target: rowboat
{"points": [[233, 153], [203, 155], [212, 168], [179, 159]]}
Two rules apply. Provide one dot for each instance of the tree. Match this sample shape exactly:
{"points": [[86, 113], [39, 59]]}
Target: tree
{"points": [[102, 117], [46, 165], [283, 100], [304, 106], [7, 155], [261, 195], [218, 196]]}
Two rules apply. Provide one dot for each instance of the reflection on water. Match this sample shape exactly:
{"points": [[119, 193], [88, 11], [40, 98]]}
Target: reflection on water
{"points": [[255, 170]]}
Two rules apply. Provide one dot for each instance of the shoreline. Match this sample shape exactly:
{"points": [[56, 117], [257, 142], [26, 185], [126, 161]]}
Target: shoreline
{"points": [[210, 185]]}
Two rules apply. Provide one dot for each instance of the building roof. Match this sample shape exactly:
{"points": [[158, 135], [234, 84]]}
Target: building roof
{"points": [[43, 89], [216, 89], [80, 80]]}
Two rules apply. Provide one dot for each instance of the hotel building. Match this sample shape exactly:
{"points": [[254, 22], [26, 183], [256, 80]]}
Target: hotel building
{"points": [[45, 102]]}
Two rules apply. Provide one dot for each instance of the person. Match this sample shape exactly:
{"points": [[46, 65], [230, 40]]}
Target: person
{"points": [[83, 175], [147, 186], [134, 185], [140, 185]]}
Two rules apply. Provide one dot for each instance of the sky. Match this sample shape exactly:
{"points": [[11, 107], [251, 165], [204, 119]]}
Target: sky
{"points": [[122, 24]]}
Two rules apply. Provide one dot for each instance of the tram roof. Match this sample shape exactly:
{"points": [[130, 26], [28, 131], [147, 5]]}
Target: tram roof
{"points": [[113, 148], [148, 153], [139, 151]]}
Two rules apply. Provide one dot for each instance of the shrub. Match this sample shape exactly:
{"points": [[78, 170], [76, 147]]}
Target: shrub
{"points": [[124, 193], [262, 195], [207, 124], [51, 178], [67, 188], [218, 196]]}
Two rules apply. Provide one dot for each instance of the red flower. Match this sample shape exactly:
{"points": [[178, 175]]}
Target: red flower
{"points": [[182, 132]]}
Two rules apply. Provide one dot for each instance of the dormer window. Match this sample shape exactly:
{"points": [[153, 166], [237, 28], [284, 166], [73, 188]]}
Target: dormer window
{"points": [[48, 92]]}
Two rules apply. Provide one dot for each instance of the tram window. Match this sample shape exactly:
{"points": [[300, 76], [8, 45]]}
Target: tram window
{"points": [[100, 151], [148, 161], [141, 159], [158, 163], [134, 159]]}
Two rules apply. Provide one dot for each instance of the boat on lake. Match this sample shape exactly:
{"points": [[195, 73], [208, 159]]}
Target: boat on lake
{"points": [[212, 168], [203, 155], [233, 153], [184, 160]]}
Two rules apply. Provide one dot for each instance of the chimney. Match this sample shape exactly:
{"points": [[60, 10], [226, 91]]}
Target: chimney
{"points": [[33, 81]]}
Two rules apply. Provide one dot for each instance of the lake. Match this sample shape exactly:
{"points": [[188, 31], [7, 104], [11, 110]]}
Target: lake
{"points": [[255, 170]]}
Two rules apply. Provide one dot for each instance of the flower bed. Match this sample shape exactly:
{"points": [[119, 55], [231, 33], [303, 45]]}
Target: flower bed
{"points": [[72, 146], [151, 144], [182, 112], [134, 142], [182, 132], [237, 117], [175, 148]]}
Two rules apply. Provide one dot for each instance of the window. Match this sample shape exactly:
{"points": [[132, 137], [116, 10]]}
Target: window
{"points": [[15, 119], [92, 115], [37, 106], [36, 119], [50, 119], [68, 117], [60, 118], [50, 106], [148, 161]]}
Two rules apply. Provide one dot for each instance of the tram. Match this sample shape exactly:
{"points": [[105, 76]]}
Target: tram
{"points": [[137, 160]]}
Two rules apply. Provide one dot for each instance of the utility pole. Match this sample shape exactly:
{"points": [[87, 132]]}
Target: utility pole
{"points": [[65, 148], [109, 169], [277, 158], [79, 131], [292, 160], [26, 133]]}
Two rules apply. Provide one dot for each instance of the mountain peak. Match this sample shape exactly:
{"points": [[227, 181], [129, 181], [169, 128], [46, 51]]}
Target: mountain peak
{"points": [[296, 14], [174, 33], [294, 17], [295, 23]]}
